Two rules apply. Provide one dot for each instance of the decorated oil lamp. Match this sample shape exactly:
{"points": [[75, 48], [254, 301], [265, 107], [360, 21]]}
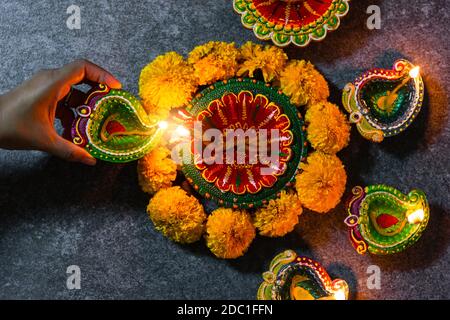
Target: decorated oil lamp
{"points": [[291, 21], [113, 126], [291, 277], [383, 220], [244, 104], [383, 103]]}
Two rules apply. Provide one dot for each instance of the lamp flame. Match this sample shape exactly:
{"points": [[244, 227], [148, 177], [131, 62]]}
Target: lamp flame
{"points": [[163, 125], [340, 294], [416, 216], [414, 72], [182, 131]]}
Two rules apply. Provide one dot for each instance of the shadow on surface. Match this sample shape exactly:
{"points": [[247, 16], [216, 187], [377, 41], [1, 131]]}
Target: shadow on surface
{"points": [[349, 37], [61, 184]]}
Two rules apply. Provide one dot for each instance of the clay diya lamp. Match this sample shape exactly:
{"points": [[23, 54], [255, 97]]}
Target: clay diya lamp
{"points": [[291, 277], [383, 103], [383, 220], [113, 126]]}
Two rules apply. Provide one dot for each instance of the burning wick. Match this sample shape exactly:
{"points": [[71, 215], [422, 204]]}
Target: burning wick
{"points": [[416, 216], [163, 125], [182, 131], [339, 295], [386, 102]]}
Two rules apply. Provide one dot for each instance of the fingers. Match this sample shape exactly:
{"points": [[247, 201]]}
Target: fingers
{"points": [[66, 150], [83, 70]]}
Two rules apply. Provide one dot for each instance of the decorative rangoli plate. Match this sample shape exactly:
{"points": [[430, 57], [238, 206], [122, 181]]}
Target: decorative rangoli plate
{"points": [[291, 21], [245, 104]]}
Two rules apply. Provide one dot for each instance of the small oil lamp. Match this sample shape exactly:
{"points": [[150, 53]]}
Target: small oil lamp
{"points": [[383, 103], [113, 126], [382, 220], [291, 277]]}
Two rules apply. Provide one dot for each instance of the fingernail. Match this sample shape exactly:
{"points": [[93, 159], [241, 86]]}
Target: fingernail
{"points": [[114, 83], [89, 161]]}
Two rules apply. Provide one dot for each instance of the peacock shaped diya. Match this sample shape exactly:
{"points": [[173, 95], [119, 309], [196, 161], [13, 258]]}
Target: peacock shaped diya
{"points": [[383, 103], [383, 220], [292, 277], [113, 126], [291, 21]]}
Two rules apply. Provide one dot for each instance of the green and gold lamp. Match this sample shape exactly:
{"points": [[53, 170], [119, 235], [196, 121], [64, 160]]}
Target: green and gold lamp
{"points": [[382, 220], [383, 103], [113, 126], [292, 277]]}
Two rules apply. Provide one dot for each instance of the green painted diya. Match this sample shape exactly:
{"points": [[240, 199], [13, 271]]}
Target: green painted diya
{"points": [[382, 220], [291, 21], [113, 126], [265, 121], [291, 277], [383, 103]]}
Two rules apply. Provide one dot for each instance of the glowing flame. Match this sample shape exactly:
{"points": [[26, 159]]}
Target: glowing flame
{"points": [[414, 72], [416, 216], [182, 131], [163, 125], [339, 294]]}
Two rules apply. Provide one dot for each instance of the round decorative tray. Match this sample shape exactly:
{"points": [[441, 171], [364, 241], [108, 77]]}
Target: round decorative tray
{"points": [[242, 107], [291, 21]]}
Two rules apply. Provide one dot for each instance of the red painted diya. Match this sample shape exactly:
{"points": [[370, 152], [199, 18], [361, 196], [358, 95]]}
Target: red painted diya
{"points": [[270, 130], [291, 21]]}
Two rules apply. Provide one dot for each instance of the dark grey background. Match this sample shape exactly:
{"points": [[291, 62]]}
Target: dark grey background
{"points": [[54, 214]]}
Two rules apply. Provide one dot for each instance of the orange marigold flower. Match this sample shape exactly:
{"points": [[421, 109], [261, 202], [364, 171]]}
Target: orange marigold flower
{"points": [[321, 184], [280, 216], [303, 83], [229, 233], [328, 129], [177, 215]]}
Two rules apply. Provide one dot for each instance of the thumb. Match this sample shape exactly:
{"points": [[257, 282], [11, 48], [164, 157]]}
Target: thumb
{"points": [[68, 151]]}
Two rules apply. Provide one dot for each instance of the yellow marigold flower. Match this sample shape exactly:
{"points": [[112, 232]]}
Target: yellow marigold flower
{"points": [[321, 184], [165, 83], [303, 83], [270, 60], [177, 215], [229, 232], [280, 216], [328, 129], [156, 170], [214, 61]]}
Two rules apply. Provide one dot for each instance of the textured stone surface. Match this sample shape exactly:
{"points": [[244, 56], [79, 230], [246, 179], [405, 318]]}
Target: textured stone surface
{"points": [[54, 214]]}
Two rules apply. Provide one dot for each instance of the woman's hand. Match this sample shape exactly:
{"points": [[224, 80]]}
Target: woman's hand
{"points": [[27, 113]]}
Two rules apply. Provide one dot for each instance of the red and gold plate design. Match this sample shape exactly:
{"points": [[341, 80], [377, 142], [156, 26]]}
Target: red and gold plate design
{"points": [[262, 117]]}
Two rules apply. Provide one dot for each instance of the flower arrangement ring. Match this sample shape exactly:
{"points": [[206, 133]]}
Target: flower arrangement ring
{"points": [[221, 91], [291, 21], [245, 104]]}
